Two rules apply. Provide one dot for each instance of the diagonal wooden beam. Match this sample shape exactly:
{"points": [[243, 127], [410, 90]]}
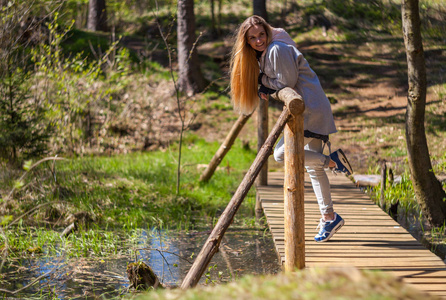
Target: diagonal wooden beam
{"points": [[213, 242]]}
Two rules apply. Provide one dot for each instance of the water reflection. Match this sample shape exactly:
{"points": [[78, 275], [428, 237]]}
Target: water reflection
{"points": [[423, 232], [162, 254], [242, 251]]}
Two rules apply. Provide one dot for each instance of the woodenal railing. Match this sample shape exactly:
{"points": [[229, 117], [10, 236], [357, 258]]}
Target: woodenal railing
{"points": [[291, 120]]}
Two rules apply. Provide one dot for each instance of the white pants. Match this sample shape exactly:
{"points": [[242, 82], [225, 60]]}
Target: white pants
{"points": [[315, 163]]}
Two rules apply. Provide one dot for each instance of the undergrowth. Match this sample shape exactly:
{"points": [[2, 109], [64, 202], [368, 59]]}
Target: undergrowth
{"points": [[132, 188]]}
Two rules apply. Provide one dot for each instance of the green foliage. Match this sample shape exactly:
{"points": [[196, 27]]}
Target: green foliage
{"points": [[24, 130], [309, 284], [155, 69], [372, 12], [402, 192], [5, 220], [356, 16], [89, 44], [67, 82], [75, 88]]}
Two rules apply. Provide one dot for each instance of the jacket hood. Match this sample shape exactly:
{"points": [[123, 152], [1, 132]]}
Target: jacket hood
{"points": [[280, 35]]}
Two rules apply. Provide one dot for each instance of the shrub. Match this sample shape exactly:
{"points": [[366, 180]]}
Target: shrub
{"points": [[24, 131]]}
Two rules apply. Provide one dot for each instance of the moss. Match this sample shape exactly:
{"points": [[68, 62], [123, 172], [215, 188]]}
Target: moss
{"points": [[34, 250], [141, 276]]}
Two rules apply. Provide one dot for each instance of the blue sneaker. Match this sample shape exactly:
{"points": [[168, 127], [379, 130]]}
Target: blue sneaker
{"points": [[342, 164], [329, 228]]}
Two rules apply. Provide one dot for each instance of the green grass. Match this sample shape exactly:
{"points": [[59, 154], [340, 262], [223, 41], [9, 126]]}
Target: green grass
{"points": [[340, 283], [78, 41], [25, 241], [125, 192], [139, 186], [158, 72], [402, 192]]}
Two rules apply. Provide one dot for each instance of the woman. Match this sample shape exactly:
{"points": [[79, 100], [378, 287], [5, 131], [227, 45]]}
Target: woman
{"points": [[269, 57]]}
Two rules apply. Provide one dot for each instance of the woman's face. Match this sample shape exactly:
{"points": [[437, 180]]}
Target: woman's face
{"points": [[257, 38]]}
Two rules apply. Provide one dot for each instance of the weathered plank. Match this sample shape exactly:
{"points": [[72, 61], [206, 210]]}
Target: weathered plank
{"points": [[370, 239]]}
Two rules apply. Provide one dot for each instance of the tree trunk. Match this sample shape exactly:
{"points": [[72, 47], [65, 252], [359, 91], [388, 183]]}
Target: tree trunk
{"points": [[284, 13], [427, 187], [97, 15], [213, 26], [190, 78], [259, 8], [220, 3]]}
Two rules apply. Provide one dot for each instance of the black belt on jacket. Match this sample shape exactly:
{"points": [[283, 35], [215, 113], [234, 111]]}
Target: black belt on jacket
{"points": [[309, 134]]}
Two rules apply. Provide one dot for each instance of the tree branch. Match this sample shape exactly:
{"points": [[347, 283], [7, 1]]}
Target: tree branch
{"points": [[28, 285]]}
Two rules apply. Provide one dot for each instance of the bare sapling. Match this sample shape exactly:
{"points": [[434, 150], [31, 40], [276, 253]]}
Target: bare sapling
{"points": [[186, 119]]}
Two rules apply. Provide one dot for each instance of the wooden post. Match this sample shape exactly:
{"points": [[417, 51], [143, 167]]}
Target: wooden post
{"points": [[382, 200], [224, 148], [391, 179], [213, 241], [294, 195], [262, 134], [294, 217]]}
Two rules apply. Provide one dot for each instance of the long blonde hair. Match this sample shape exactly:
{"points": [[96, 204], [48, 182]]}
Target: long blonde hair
{"points": [[244, 67]]}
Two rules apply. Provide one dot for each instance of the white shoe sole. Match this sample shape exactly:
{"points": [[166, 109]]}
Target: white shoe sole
{"points": [[333, 231]]}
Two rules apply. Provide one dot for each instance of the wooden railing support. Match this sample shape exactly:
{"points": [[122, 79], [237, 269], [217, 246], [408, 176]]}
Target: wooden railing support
{"points": [[224, 148], [293, 187], [294, 217], [294, 195], [262, 135], [212, 243], [382, 199]]}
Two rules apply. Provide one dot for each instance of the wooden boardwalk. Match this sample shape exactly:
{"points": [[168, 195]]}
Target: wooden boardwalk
{"points": [[370, 239]]}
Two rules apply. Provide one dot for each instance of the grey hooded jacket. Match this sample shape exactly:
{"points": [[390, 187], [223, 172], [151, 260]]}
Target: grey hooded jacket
{"points": [[285, 66]]}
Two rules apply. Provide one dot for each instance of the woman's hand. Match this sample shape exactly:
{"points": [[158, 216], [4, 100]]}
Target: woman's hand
{"points": [[264, 92]]}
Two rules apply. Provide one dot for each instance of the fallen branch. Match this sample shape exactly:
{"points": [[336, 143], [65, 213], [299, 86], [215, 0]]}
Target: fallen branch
{"points": [[26, 286]]}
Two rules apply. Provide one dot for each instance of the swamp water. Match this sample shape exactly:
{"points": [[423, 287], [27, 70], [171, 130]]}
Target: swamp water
{"points": [[433, 240], [242, 251]]}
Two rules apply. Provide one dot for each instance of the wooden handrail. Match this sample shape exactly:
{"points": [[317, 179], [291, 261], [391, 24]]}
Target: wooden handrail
{"points": [[224, 148], [293, 189]]}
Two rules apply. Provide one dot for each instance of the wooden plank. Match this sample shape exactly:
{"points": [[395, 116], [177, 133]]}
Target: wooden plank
{"points": [[362, 229], [385, 245], [432, 281]]}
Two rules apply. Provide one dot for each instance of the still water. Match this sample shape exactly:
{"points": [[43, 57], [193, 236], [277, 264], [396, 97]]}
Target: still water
{"points": [[242, 251]]}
